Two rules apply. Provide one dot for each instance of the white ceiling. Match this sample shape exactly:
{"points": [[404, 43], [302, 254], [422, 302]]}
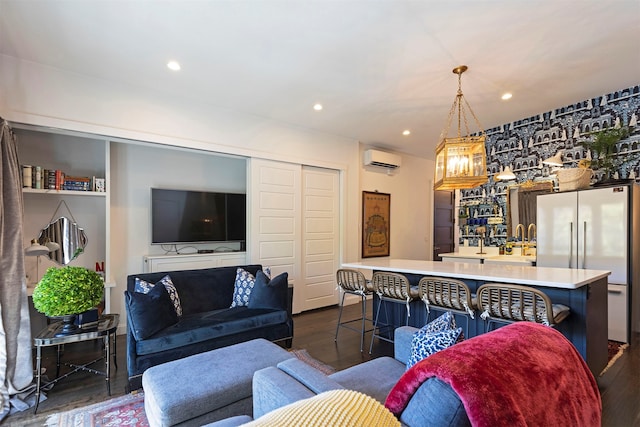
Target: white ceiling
{"points": [[377, 66]]}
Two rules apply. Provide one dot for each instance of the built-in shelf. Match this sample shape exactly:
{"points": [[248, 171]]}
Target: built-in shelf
{"points": [[65, 192], [84, 156]]}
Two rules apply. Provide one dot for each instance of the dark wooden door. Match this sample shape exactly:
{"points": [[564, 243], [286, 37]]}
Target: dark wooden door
{"points": [[443, 223]]}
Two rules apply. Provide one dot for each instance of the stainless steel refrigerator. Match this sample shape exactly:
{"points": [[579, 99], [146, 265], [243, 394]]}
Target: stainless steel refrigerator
{"points": [[594, 229]]}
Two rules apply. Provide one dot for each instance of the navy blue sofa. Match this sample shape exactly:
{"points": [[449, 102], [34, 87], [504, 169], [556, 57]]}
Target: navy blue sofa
{"points": [[207, 321]]}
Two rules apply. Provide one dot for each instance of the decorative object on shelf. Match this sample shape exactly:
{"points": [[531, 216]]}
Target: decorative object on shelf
{"points": [[603, 150], [461, 162], [376, 208], [574, 178], [71, 237], [67, 291]]}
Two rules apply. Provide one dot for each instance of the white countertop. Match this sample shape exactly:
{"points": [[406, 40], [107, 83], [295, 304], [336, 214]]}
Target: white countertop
{"points": [[490, 256], [565, 278], [472, 252]]}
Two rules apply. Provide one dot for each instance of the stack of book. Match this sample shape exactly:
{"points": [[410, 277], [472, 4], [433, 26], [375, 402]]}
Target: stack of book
{"points": [[55, 179]]}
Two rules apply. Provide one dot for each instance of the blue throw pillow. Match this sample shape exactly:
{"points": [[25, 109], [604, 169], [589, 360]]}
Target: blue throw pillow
{"points": [[433, 337], [445, 322], [150, 313], [243, 286], [270, 293], [144, 287]]}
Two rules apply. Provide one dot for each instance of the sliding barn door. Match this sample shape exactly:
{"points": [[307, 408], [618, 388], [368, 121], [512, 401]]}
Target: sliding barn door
{"points": [[320, 236], [275, 225]]}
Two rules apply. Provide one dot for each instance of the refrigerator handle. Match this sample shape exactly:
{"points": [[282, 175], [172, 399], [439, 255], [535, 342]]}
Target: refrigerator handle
{"points": [[570, 243], [584, 246]]}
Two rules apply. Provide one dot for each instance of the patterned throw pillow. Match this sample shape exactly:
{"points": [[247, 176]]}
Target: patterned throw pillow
{"points": [[144, 287], [244, 284], [443, 323], [433, 337]]}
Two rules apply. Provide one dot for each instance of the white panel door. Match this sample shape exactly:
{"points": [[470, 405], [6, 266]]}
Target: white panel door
{"points": [[320, 236], [275, 226]]}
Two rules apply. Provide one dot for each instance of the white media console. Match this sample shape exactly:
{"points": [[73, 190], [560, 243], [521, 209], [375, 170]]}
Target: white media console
{"points": [[155, 263]]}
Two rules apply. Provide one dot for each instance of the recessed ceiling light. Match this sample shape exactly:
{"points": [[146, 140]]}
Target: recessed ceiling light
{"points": [[406, 132], [506, 96], [317, 107], [173, 65]]}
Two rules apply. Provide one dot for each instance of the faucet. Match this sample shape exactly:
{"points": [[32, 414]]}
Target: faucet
{"points": [[520, 232], [530, 238], [532, 226]]}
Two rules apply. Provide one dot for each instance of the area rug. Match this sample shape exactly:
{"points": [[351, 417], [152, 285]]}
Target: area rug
{"points": [[615, 350], [128, 410]]}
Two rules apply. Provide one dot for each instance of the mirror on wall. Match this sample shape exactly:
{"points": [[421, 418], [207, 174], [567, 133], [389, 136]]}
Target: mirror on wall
{"points": [[521, 203], [68, 235]]}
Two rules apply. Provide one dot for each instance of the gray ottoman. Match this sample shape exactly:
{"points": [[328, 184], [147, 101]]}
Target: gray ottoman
{"points": [[208, 386]]}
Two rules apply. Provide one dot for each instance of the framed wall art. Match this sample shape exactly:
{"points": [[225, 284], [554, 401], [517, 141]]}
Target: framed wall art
{"points": [[376, 208]]}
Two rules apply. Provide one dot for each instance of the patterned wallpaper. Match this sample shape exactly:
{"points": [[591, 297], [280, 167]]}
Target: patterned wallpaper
{"points": [[523, 144]]}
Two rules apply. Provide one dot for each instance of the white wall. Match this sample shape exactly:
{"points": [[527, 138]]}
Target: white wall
{"points": [[34, 94], [135, 169], [411, 217]]}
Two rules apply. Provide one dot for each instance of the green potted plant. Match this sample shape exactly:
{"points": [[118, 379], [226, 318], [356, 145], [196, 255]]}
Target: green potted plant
{"points": [[603, 148], [67, 291]]}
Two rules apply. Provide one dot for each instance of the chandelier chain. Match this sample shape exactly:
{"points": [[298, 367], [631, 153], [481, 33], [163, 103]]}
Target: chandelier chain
{"points": [[462, 115]]}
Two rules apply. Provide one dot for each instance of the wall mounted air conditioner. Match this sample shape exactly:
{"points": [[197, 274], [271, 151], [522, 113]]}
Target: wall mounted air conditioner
{"points": [[382, 159]]}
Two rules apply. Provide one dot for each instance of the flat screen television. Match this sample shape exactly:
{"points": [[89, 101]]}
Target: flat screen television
{"points": [[183, 216]]}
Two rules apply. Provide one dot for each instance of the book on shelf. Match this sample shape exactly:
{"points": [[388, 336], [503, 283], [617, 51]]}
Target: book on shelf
{"points": [[37, 177], [27, 180], [76, 183]]}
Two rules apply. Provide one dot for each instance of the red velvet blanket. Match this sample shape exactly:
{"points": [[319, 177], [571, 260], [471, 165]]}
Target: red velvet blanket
{"points": [[520, 374]]}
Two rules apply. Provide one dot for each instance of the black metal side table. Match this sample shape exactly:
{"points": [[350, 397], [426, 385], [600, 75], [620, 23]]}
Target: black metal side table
{"points": [[104, 328]]}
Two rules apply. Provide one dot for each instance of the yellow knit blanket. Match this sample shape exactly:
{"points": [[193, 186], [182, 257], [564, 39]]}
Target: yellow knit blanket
{"points": [[344, 408]]}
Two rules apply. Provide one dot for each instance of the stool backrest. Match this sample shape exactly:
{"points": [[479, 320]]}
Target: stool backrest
{"points": [[515, 303], [391, 285], [444, 292], [351, 280]]}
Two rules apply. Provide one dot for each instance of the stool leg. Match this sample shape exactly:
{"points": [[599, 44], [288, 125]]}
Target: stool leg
{"points": [[363, 299], [375, 324], [340, 317]]}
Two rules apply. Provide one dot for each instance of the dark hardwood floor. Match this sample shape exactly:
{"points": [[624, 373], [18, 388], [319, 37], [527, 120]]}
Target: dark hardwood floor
{"points": [[314, 331]]}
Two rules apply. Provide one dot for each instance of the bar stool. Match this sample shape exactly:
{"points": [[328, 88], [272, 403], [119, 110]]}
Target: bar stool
{"points": [[506, 303], [353, 282], [395, 288], [442, 294]]}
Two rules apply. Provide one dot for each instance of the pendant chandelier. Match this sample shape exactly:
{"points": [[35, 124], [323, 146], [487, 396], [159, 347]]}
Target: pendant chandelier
{"points": [[461, 162]]}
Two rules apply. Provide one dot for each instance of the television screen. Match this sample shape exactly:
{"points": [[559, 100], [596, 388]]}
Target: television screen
{"points": [[182, 216]]}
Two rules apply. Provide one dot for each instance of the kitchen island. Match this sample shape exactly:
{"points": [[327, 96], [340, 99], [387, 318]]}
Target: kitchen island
{"points": [[583, 291]]}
